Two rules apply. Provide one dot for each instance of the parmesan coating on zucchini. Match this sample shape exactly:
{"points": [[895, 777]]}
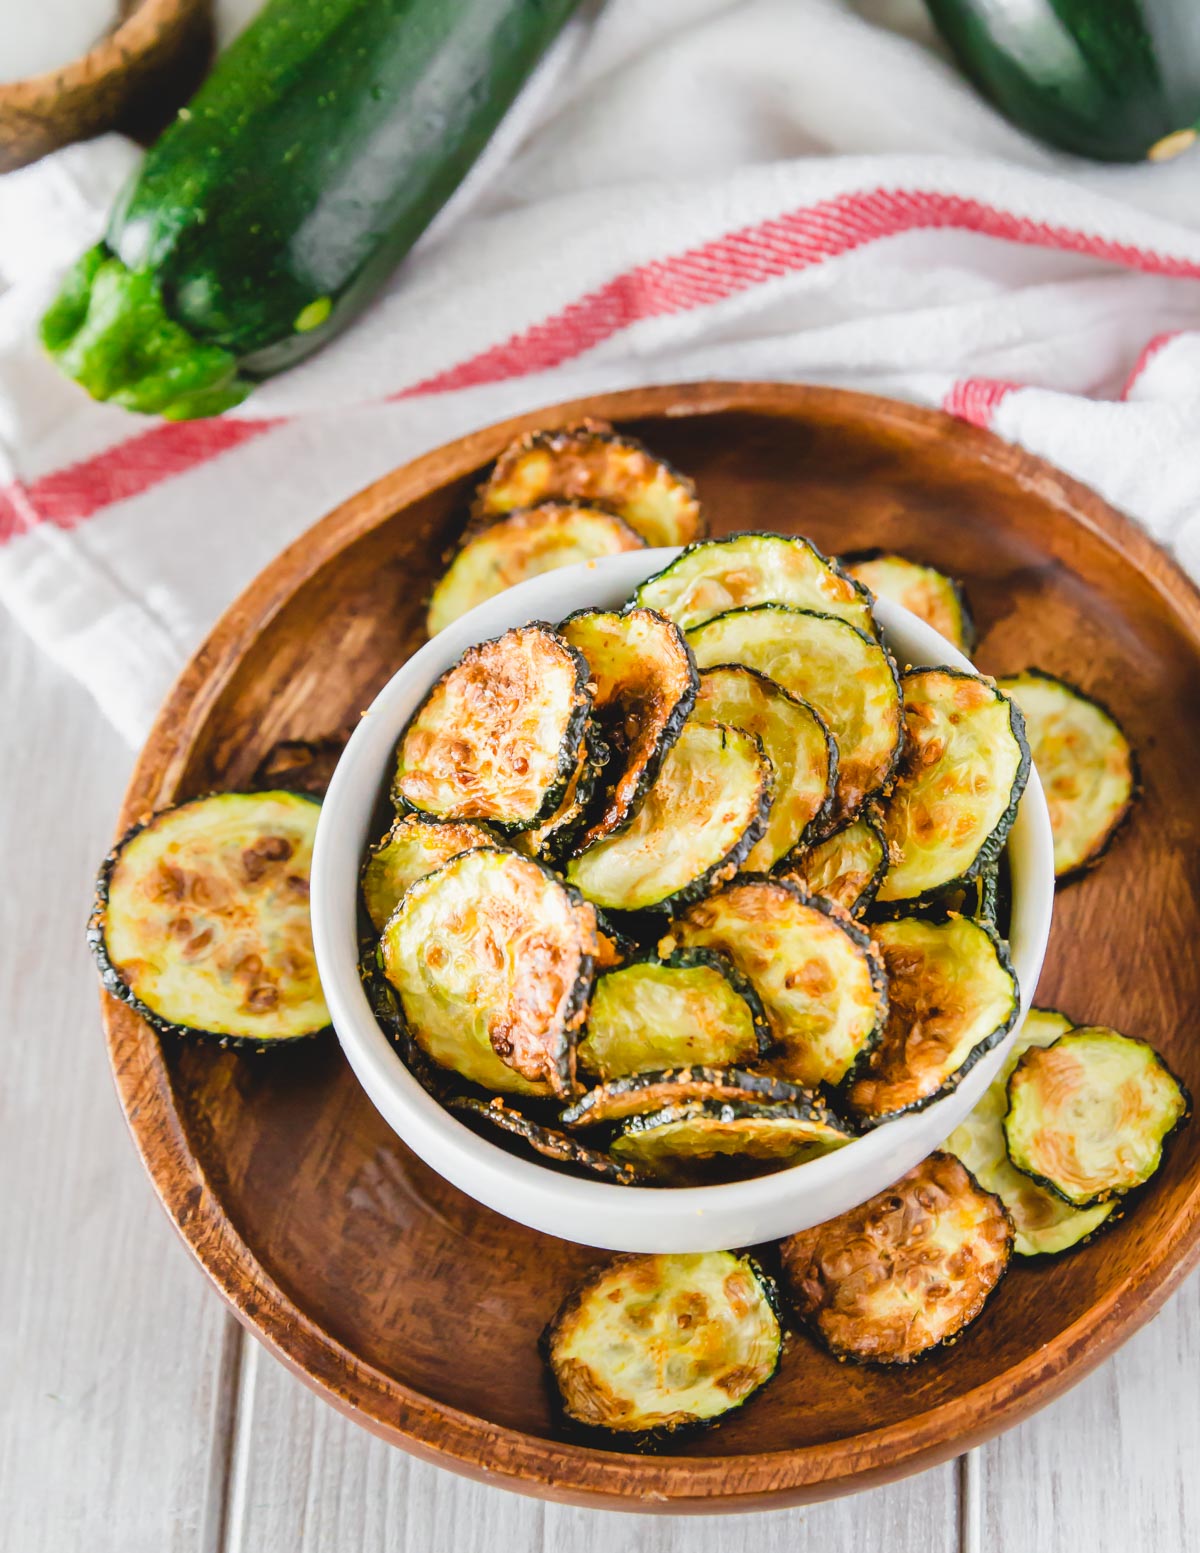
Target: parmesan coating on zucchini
{"points": [[687, 1135], [640, 1093], [846, 868], [412, 848], [933, 597]]}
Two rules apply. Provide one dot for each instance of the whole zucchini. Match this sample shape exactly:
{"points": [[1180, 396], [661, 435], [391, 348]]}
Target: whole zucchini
{"points": [[1116, 80], [324, 142]]}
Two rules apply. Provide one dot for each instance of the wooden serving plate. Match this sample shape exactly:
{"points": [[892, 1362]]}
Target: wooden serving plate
{"points": [[416, 1311]]}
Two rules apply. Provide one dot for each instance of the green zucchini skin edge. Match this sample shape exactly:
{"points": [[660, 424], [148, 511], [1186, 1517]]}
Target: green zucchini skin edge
{"points": [[867, 816], [389, 1016], [110, 978], [544, 1140], [970, 632], [756, 1088]]}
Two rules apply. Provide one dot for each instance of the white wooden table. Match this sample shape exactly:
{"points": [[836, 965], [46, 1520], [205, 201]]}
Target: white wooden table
{"points": [[135, 1417]]}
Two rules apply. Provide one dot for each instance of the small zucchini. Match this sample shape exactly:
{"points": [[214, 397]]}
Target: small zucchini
{"points": [[639, 1093], [1044, 1225], [965, 766], [1088, 1115], [492, 958], [846, 868], [651, 1346], [952, 995], [690, 1134], [522, 545], [938, 600], [718, 575], [1087, 766], [846, 676], [592, 463], [498, 736], [893, 1280], [694, 828], [693, 1007], [547, 1142], [643, 684], [795, 741], [818, 975], [412, 848], [201, 919]]}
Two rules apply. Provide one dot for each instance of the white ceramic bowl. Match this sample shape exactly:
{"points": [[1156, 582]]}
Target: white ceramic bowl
{"points": [[594, 1212]]}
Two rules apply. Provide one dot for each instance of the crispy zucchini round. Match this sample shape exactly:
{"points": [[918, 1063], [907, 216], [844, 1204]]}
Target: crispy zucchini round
{"points": [[638, 1093], [413, 847], [643, 684], [522, 545], [845, 675], [1087, 766], [952, 995], [846, 868], [818, 975], [964, 768], [498, 736], [740, 570], [938, 600], [591, 463], [894, 1279], [547, 1142], [492, 959], [803, 756], [693, 1007], [694, 1133], [694, 828], [1044, 1225], [648, 1346], [201, 919], [1088, 1115], [553, 837], [301, 765]]}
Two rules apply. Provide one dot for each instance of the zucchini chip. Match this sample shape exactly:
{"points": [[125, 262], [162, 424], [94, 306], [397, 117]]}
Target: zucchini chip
{"points": [[643, 682], [545, 1141], [952, 996], [1088, 1116], [642, 1092], [1044, 1224], [938, 600], [819, 976], [796, 742], [847, 677], [693, 1133], [412, 848], [492, 959], [711, 578], [651, 1345], [892, 1280], [592, 463], [846, 868], [549, 840], [694, 1007], [964, 769], [1088, 770], [522, 545], [694, 828], [201, 919], [497, 738], [301, 765]]}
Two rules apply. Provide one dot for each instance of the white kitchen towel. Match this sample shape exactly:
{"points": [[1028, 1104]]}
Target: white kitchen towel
{"points": [[792, 189]]}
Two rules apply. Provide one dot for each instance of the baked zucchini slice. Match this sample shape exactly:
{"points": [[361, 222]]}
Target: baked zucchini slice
{"points": [[498, 736], [965, 766], [492, 959], [648, 1346], [795, 741], [548, 1142], [549, 840], [693, 1007], [846, 868], [643, 683], [412, 848], [523, 545], [952, 995], [201, 919], [904, 1273], [592, 463], [938, 600], [675, 1141], [819, 977], [1088, 1115], [846, 676], [1087, 766], [695, 827], [718, 575], [1043, 1224], [639, 1093], [301, 765]]}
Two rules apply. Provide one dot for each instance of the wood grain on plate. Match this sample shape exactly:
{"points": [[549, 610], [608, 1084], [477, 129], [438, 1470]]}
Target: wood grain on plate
{"points": [[417, 1311]]}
